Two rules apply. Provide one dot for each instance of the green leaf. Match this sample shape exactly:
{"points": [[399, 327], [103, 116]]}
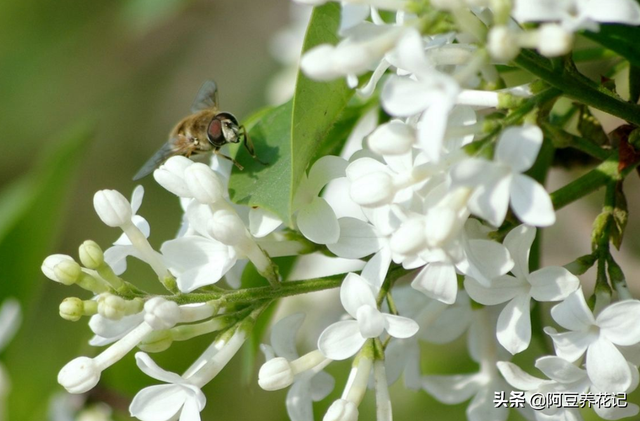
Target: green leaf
{"points": [[316, 105], [29, 226], [267, 186], [288, 136], [622, 39]]}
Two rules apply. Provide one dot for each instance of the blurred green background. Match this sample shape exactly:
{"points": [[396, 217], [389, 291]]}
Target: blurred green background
{"points": [[88, 91]]}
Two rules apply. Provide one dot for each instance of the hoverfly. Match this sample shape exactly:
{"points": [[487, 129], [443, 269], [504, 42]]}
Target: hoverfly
{"points": [[205, 130]]}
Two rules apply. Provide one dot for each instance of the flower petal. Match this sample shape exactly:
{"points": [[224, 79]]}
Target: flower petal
{"points": [[283, 336], [438, 281], [573, 313], [490, 200], [452, 389], [518, 241], [485, 259], [375, 271], [400, 327], [357, 239], [607, 368], [531, 202], [517, 377], [552, 283], [298, 402], [158, 403], [318, 222], [403, 97], [518, 147], [612, 11], [10, 316], [619, 322], [560, 370], [325, 169], [136, 198], [321, 385], [262, 222], [151, 369], [569, 345], [514, 325], [500, 290], [356, 292], [341, 340]]}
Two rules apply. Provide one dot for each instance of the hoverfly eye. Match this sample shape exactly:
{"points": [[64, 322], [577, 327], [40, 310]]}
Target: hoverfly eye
{"points": [[215, 130]]}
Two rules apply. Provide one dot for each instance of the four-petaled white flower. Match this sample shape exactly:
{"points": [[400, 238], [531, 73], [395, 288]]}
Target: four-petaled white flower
{"points": [[177, 400], [116, 255], [343, 339], [599, 336], [502, 181], [578, 14], [551, 283], [309, 385]]}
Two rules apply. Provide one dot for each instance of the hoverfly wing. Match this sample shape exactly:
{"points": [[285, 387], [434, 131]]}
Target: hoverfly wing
{"points": [[207, 97], [165, 152]]}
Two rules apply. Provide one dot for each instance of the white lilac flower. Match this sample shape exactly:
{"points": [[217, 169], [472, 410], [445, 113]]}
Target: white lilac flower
{"points": [[576, 15], [479, 387], [304, 374], [553, 283], [343, 339], [429, 92], [564, 377], [116, 211], [116, 256], [444, 242], [346, 408], [439, 323], [598, 337], [500, 182], [10, 316], [315, 219], [182, 398], [108, 331], [197, 261], [362, 49], [179, 398]]}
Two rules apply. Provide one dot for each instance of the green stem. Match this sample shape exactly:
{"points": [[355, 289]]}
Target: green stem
{"points": [[575, 85], [601, 175], [250, 295], [562, 139]]}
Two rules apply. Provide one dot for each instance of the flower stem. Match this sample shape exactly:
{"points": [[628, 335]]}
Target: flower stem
{"points": [[249, 295], [577, 86]]}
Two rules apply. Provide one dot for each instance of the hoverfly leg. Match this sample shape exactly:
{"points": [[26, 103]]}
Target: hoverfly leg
{"points": [[248, 145], [236, 163]]}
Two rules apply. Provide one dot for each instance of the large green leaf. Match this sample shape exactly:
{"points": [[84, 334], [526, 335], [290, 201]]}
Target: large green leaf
{"points": [[288, 136], [30, 221], [622, 39]]}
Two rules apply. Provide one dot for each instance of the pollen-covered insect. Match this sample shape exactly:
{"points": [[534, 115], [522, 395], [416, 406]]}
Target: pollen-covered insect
{"points": [[205, 130]]}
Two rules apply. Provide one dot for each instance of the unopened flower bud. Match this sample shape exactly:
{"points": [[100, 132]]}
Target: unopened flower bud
{"points": [[79, 375], [373, 190], [72, 309], [203, 183], [112, 307], [554, 40], [227, 227], [503, 44], [61, 268], [342, 410], [170, 175], [91, 255], [161, 314], [112, 207], [393, 138], [275, 374], [156, 341], [410, 237]]}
